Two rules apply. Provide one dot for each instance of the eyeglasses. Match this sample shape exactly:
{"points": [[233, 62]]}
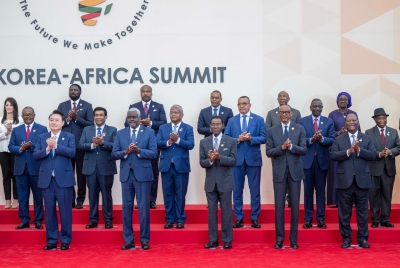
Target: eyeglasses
{"points": [[243, 103], [284, 112]]}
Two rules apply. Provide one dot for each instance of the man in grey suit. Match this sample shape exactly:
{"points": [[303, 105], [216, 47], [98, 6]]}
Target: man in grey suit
{"points": [[273, 119], [383, 169], [218, 156], [286, 143], [98, 166]]}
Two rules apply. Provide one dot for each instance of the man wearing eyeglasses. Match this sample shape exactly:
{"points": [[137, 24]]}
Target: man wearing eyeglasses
{"points": [[249, 131], [320, 134], [216, 109], [286, 143]]}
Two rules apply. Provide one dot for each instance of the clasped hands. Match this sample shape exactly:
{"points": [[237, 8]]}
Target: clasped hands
{"points": [[145, 122], [8, 127], [385, 153], [173, 137], [72, 115], [354, 148], [132, 148], [341, 131], [97, 141], [25, 146], [51, 144], [213, 155], [317, 136], [245, 136], [286, 145]]}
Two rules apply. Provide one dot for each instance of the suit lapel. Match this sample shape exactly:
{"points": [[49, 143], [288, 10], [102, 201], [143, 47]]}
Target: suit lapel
{"points": [[278, 119], [279, 132], [377, 136]]}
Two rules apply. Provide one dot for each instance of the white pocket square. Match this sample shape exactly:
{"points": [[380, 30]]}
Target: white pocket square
{"points": [[155, 110], [225, 149]]}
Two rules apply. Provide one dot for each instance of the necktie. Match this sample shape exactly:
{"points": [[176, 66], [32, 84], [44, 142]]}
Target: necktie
{"points": [[146, 108], [383, 136], [175, 129], [215, 112], [353, 139], [53, 151], [285, 134], [316, 125], [133, 137], [216, 143], [99, 131], [28, 132], [244, 123], [74, 108]]}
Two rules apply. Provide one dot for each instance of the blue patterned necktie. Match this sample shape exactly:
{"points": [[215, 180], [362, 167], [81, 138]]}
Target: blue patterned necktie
{"points": [[285, 133], [99, 131], [244, 123], [133, 137], [215, 112], [175, 129], [353, 139], [216, 143]]}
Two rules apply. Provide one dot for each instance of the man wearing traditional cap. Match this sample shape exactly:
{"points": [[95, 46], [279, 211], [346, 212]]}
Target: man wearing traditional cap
{"points": [[383, 168]]}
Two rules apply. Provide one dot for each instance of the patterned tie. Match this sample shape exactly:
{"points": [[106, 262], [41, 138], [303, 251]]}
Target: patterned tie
{"points": [[285, 134], [175, 129], [74, 108], [216, 143], [133, 137], [28, 132], [383, 136], [215, 112], [316, 125], [99, 131], [244, 123], [353, 137], [53, 151], [146, 108]]}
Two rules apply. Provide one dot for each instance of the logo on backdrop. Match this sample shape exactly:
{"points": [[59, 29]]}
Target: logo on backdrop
{"points": [[95, 11], [89, 6]]}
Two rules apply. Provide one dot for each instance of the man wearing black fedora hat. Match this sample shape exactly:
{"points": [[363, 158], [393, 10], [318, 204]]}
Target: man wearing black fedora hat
{"points": [[383, 169]]}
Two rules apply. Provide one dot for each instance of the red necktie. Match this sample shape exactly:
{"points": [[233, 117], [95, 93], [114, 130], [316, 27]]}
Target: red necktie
{"points": [[383, 136], [146, 109], [74, 108], [315, 130], [28, 132]]}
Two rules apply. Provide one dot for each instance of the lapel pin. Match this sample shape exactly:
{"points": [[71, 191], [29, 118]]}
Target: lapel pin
{"points": [[222, 112], [34, 130], [180, 129], [104, 134], [251, 117], [276, 112], [141, 130], [361, 140], [388, 133], [80, 104], [222, 145], [62, 138], [152, 106], [322, 123], [292, 128]]}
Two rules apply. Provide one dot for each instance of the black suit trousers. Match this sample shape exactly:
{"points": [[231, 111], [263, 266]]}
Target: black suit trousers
{"points": [[380, 197], [77, 164]]}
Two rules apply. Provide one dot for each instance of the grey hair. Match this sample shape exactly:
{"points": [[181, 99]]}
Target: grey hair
{"points": [[29, 107], [177, 107], [135, 110]]}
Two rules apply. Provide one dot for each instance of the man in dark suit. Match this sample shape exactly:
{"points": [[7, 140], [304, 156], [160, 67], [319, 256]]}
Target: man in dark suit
{"points": [[153, 116], [56, 178], [26, 168], [175, 140], [249, 131], [286, 143], [320, 134], [383, 168], [77, 115], [216, 109], [98, 166], [135, 146], [218, 156], [353, 150], [273, 119]]}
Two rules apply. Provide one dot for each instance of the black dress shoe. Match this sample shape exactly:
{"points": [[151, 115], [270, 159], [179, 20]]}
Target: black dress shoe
{"points": [[128, 246], [227, 245], [153, 205], [136, 207], [64, 246], [238, 224], [278, 245], [387, 224], [145, 245], [22, 226], [91, 225], [307, 225], [79, 205], [73, 205], [364, 244], [211, 245], [38, 225], [288, 201], [180, 225], [109, 225], [168, 225], [294, 245], [321, 224], [50, 247], [255, 224], [375, 224], [346, 244]]}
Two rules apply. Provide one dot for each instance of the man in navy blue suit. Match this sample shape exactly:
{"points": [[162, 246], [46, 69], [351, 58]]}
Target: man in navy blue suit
{"points": [[77, 115], [26, 169], [135, 146], [56, 178], [320, 134], [353, 150], [175, 140], [249, 131], [216, 109], [153, 116], [98, 166]]}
